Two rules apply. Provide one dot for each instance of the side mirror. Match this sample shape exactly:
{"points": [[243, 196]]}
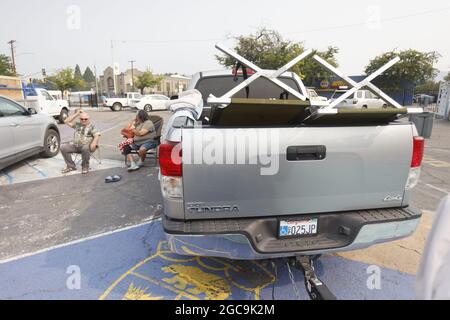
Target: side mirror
{"points": [[31, 111]]}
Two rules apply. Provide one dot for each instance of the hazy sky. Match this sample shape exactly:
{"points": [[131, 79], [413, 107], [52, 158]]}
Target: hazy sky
{"points": [[179, 36]]}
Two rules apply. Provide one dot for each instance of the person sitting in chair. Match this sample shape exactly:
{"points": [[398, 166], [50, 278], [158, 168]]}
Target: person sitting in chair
{"points": [[144, 139], [85, 141]]}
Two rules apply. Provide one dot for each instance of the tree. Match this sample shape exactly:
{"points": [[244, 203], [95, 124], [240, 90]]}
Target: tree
{"points": [[447, 77], [268, 50], [314, 72], [6, 66], [46, 84], [78, 72], [88, 76], [65, 79], [147, 80], [414, 66], [427, 87], [81, 83]]}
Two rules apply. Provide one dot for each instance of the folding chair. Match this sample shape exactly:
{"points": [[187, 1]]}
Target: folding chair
{"points": [[96, 155], [153, 153]]}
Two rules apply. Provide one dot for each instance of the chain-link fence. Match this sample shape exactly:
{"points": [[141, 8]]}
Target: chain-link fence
{"points": [[83, 100]]}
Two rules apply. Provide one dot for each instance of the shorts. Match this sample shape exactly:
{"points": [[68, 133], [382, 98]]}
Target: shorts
{"points": [[147, 145]]}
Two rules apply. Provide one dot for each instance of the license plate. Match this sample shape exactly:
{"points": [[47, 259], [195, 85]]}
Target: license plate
{"points": [[295, 228]]}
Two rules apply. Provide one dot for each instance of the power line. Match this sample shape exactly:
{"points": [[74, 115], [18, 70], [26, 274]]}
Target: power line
{"points": [[364, 23], [296, 32]]}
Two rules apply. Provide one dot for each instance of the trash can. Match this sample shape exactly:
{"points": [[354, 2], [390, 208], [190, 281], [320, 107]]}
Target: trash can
{"points": [[423, 123]]}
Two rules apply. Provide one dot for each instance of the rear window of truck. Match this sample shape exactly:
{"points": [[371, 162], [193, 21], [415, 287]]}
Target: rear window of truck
{"points": [[259, 89]]}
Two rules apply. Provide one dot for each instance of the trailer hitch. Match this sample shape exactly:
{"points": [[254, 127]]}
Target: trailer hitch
{"points": [[316, 289]]}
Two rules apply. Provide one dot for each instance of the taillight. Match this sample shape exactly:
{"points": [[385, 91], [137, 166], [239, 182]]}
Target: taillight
{"points": [[417, 156], [418, 146], [170, 159]]}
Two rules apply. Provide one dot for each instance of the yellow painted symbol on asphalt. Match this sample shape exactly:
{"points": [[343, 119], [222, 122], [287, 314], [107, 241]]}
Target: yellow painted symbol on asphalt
{"points": [[214, 287], [435, 163], [134, 293], [166, 275]]}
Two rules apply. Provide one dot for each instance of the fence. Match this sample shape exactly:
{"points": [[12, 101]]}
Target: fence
{"points": [[83, 100]]}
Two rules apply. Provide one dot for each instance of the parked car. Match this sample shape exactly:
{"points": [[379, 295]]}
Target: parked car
{"points": [[25, 133], [116, 104], [361, 99], [43, 102], [152, 102]]}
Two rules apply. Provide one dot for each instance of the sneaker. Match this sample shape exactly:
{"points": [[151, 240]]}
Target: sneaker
{"points": [[84, 170], [133, 167]]}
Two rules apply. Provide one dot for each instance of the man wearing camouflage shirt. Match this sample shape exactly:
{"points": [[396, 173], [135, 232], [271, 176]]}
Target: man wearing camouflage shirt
{"points": [[85, 141]]}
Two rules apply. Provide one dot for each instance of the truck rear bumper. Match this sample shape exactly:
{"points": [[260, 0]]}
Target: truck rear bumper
{"points": [[256, 238]]}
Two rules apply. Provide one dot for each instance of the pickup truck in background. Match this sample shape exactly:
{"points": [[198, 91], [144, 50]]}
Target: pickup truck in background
{"points": [[116, 104], [43, 102], [325, 183]]}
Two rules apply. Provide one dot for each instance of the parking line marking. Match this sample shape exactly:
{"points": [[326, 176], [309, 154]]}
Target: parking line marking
{"points": [[113, 127], [436, 188], [109, 145], [25, 255], [429, 194], [35, 167], [8, 176]]}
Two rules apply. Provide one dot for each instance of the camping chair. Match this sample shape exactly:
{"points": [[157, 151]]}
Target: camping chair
{"points": [[96, 155], [152, 153]]}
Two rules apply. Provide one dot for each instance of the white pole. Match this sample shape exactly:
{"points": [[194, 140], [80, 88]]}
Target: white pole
{"points": [[113, 67]]}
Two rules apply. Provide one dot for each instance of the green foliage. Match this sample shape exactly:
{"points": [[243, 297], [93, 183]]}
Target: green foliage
{"points": [[77, 73], [314, 72], [88, 76], [5, 66], [46, 84], [447, 77], [147, 80], [428, 86], [65, 79], [268, 50], [415, 66]]}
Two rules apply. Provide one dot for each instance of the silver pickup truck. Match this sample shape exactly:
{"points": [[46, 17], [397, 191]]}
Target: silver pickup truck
{"points": [[264, 176]]}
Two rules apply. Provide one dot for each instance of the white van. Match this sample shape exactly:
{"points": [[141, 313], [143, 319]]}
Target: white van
{"points": [[361, 99]]}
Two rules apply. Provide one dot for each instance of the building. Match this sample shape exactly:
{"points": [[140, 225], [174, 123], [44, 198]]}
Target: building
{"points": [[11, 87], [124, 83], [172, 85], [169, 86]]}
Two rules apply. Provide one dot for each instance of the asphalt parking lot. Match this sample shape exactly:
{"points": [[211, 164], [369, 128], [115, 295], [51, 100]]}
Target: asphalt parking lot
{"points": [[75, 237]]}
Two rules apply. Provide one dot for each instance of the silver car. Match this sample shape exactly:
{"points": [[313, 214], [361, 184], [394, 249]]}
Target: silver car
{"points": [[23, 133]]}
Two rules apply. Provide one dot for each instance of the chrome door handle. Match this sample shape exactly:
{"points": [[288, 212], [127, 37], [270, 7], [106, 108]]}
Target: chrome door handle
{"points": [[13, 125]]}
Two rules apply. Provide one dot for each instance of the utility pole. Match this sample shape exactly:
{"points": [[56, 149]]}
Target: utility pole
{"points": [[96, 82], [13, 58], [113, 66], [132, 74]]}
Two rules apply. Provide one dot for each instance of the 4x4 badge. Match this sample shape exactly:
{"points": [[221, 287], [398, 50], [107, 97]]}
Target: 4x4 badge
{"points": [[393, 198]]}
